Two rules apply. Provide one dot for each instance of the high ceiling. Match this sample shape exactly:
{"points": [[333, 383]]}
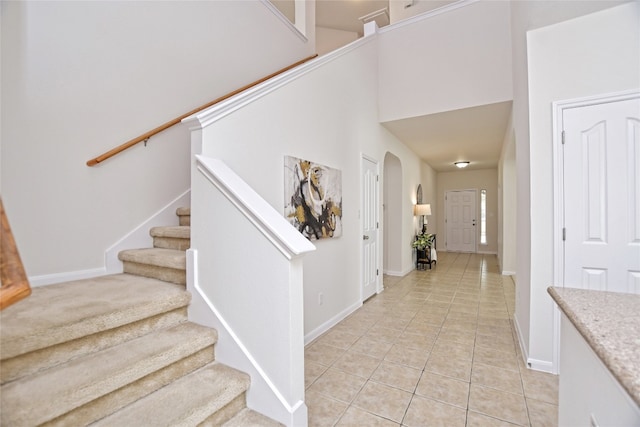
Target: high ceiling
{"points": [[344, 14], [474, 134]]}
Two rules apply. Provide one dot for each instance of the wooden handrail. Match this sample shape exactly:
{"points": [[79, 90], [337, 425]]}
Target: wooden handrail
{"points": [[15, 284], [146, 136]]}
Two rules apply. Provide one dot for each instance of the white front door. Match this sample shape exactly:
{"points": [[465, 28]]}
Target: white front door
{"points": [[601, 168], [369, 228], [460, 219]]}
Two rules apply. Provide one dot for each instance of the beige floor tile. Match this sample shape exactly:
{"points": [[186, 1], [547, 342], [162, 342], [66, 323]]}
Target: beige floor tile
{"points": [[338, 385], [493, 377], [356, 417], [312, 372], [450, 367], [383, 400], [398, 376], [455, 322], [475, 419], [323, 354], [542, 414], [409, 356], [497, 358], [371, 346], [338, 338], [424, 412], [460, 325], [418, 341], [394, 323], [449, 348], [498, 404], [421, 327], [356, 364], [323, 411], [383, 334], [502, 343], [540, 386], [444, 389]]}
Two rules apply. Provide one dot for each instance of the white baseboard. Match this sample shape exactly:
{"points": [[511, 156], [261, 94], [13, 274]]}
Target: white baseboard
{"points": [[540, 365], [508, 273], [487, 252], [331, 323], [139, 237], [393, 273], [68, 276]]}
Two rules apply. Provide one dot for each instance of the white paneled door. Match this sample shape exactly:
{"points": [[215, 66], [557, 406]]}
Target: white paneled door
{"points": [[460, 218], [601, 169], [370, 268]]}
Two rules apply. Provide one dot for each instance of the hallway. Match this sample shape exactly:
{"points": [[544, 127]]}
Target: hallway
{"points": [[436, 348]]}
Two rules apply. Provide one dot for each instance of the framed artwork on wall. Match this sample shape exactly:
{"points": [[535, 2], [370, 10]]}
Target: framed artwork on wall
{"points": [[313, 198]]}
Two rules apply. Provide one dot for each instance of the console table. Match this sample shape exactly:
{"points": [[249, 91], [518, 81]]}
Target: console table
{"points": [[423, 257]]}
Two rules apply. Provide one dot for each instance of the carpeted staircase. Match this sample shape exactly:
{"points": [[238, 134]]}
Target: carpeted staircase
{"points": [[118, 350]]}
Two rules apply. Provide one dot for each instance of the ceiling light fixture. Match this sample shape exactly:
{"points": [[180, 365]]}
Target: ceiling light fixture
{"points": [[461, 164]]}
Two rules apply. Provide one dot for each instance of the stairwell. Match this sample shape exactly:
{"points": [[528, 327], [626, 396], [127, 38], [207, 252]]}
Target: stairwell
{"points": [[118, 350]]}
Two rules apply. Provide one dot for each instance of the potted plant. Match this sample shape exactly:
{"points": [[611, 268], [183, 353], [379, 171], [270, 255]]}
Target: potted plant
{"points": [[422, 241]]}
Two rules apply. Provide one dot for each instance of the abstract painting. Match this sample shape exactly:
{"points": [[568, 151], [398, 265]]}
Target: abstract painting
{"points": [[313, 198]]}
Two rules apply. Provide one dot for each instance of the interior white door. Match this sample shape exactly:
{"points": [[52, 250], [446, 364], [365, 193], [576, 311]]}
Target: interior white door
{"points": [[601, 169], [460, 218], [370, 268]]}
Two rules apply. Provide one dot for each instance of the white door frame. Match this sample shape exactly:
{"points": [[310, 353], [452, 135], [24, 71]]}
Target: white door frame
{"points": [[377, 231], [558, 195]]}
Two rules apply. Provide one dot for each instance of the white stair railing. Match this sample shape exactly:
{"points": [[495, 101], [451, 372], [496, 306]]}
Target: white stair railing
{"points": [[245, 274]]}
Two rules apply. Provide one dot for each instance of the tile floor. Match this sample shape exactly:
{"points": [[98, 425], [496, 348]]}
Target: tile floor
{"points": [[436, 348]]}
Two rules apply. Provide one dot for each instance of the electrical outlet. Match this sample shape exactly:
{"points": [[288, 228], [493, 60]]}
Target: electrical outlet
{"points": [[320, 298]]}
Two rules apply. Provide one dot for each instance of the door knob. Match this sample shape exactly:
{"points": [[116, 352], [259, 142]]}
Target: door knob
{"points": [[365, 237]]}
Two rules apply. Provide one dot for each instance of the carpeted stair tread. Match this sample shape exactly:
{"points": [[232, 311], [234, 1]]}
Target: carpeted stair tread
{"points": [[40, 398], [59, 313], [158, 257], [188, 401], [247, 417], [184, 216], [176, 232]]}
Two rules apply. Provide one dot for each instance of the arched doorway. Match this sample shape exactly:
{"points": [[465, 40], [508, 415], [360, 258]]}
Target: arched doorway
{"points": [[392, 215]]}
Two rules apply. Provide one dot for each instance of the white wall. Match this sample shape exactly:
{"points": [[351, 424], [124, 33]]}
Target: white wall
{"points": [[398, 10], [453, 60], [507, 206], [336, 126], [328, 39], [79, 78], [594, 54], [486, 179], [430, 195], [392, 215]]}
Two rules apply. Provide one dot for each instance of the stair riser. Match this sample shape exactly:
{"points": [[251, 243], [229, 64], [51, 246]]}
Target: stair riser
{"points": [[35, 361], [171, 243], [167, 274], [223, 415], [43, 397], [124, 396]]}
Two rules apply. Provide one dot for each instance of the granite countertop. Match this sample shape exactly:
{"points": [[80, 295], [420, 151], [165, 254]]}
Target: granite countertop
{"points": [[610, 323]]}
